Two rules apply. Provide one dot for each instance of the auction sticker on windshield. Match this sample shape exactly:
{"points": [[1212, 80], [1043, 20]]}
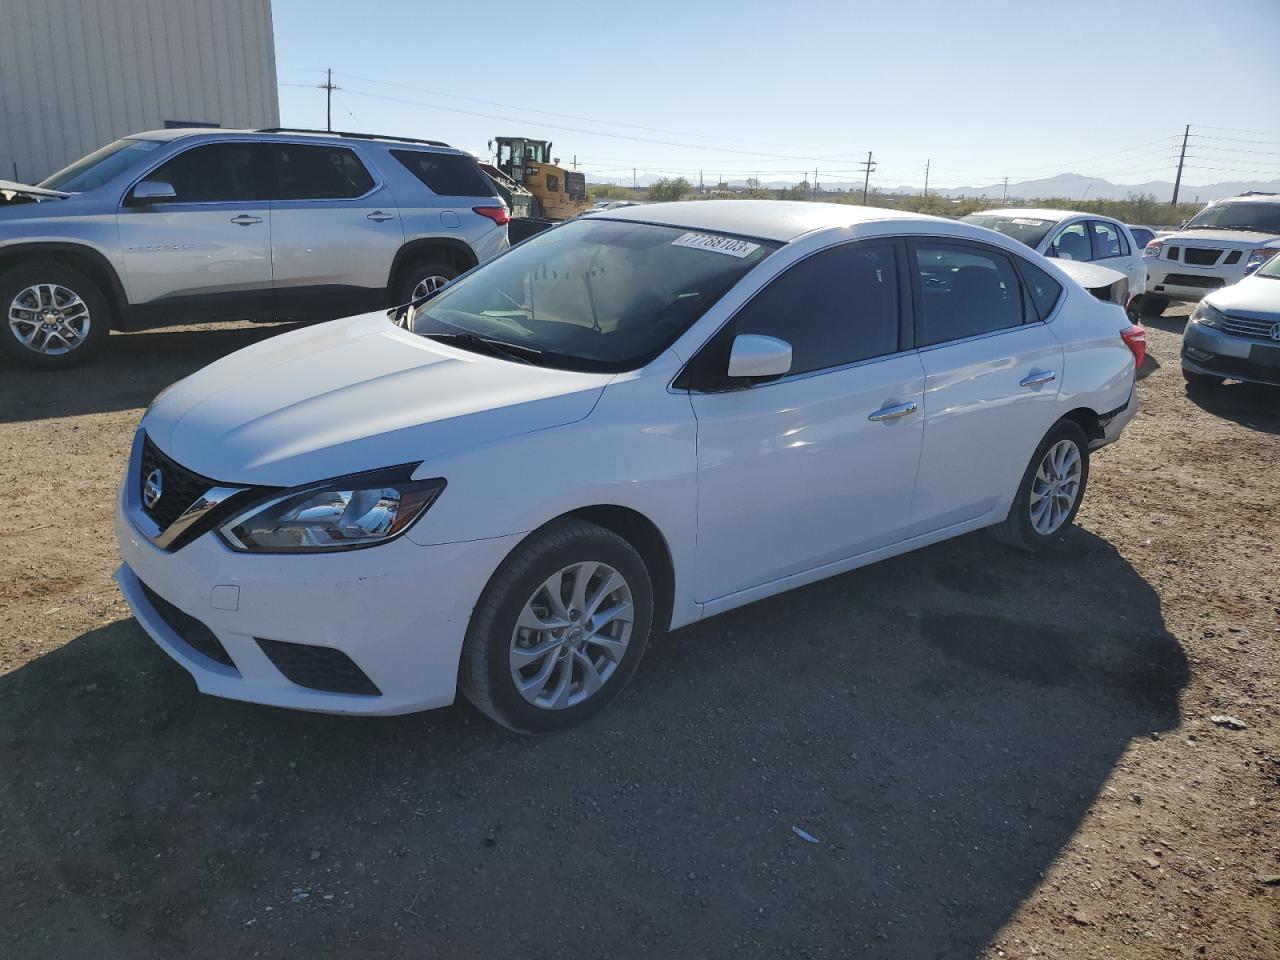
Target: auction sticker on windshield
{"points": [[706, 241]]}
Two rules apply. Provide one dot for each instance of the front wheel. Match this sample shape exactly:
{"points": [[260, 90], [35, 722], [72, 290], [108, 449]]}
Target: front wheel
{"points": [[1051, 490], [54, 316], [559, 629]]}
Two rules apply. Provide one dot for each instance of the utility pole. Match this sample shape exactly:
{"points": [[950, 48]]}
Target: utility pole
{"points": [[868, 165], [328, 89], [1177, 181], [1004, 197], [815, 183], [575, 161], [633, 178], [699, 181], [926, 177]]}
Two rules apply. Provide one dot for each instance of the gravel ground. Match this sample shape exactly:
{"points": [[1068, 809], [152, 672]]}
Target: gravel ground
{"points": [[997, 756]]}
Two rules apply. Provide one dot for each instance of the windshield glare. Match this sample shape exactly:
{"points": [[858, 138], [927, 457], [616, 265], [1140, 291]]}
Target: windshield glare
{"points": [[593, 294], [100, 166], [1028, 230], [1263, 217]]}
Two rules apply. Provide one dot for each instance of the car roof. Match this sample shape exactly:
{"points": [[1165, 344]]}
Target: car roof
{"points": [[1041, 213], [1252, 196], [282, 133], [780, 220]]}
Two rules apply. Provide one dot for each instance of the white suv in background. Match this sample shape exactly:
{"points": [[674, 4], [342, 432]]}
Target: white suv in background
{"points": [[1220, 245], [1072, 235]]}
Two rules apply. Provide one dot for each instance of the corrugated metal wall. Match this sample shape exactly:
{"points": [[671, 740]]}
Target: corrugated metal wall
{"points": [[77, 74]]}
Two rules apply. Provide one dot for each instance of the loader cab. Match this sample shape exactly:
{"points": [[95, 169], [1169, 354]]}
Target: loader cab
{"points": [[515, 152]]}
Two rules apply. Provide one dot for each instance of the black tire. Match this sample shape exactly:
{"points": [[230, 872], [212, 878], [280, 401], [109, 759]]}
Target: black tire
{"points": [[1201, 381], [485, 675], [1017, 530], [17, 279], [1152, 306], [410, 276]]}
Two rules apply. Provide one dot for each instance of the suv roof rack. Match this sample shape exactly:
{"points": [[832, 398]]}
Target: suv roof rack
{"points": [[354, 136]]}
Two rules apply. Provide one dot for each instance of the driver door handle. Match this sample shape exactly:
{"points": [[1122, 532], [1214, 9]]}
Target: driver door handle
{"points": [[379, 216], [894, 412], [1036, 379], [245, 220]]}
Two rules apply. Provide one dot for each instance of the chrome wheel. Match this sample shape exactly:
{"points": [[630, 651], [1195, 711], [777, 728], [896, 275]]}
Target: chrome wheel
{"points": [[49, 318], [571, 635], [1055, 487], [427, 286]]}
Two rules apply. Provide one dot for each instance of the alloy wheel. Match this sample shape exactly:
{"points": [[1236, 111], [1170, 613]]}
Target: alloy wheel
{"points": [[1055, 487], [571, 635], [49, 318]]}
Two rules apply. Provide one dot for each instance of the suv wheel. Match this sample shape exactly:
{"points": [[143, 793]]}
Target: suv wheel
{"points": [[559, 630], [54, 316], [1152, 306], [419, 280], [1051, 490]]}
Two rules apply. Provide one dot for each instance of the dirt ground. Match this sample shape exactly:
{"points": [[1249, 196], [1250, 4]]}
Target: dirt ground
{"points": [[998, 756]]}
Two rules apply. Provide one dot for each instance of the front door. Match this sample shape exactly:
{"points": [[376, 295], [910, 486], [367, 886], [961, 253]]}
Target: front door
{"points": [[819, 465], [205, 254]]}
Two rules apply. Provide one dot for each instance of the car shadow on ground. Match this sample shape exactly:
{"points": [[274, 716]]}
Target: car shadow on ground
{"points": [[132, 369], [1252, 405], [940, 723]]}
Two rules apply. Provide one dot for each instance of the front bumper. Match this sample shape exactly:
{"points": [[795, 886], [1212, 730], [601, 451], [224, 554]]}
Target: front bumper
{"points": [[399, 612], [1183, 281], [1218, 354]]}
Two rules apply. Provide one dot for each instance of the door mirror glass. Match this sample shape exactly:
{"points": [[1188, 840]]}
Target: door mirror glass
{"points": [[753, 355], [153, 191]]}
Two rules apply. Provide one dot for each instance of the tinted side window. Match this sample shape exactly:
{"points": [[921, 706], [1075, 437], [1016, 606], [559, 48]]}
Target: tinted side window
{"points": [[1107, 241], [216, 172], [306, 172], [835, 307], [1042, 288], [446, 174], [965, 291], [1072, 244]]}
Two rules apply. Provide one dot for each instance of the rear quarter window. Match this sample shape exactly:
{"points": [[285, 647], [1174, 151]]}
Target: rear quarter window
{"points": [[1043, 289], [446, 174]]}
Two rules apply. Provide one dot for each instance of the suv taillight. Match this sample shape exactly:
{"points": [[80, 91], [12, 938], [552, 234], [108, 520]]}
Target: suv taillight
{"points": [[498, 215], [1135, 338]]}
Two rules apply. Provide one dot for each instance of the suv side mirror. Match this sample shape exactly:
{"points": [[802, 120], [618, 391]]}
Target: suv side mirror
{"points": [[153, 191], [753, 355]]}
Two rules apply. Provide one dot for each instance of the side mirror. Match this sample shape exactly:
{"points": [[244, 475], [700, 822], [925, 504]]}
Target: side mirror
{"points": [[753, 355], [153, 191]]}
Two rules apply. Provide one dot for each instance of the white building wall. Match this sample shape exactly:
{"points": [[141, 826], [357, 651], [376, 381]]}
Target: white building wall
{"points": [[77, 74]]}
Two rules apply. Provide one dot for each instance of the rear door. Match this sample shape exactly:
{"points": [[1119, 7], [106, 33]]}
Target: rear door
{"points": [[1112, 248], [992, 369], [206, 253], [335, 231]]}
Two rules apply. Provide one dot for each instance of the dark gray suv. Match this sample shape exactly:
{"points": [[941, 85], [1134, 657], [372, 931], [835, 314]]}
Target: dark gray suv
{"points": [[181, 226]]}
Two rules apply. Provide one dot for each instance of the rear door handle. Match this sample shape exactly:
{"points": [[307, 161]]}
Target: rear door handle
{"points": [[245, 220], [1036, 379], [378, 216], [894, 412]]}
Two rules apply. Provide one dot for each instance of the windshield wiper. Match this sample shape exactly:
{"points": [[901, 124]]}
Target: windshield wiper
{"points": [[501, 348]]}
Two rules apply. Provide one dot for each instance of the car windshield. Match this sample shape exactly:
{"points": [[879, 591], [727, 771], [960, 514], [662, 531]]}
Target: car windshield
{"points": [[100, 166], [592, 294], [1262, 217], [1028, 230], [1271, 268]]}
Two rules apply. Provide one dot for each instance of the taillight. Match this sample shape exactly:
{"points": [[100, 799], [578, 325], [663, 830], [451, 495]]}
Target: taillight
{"points": [[1135, 338], [498, 215]]}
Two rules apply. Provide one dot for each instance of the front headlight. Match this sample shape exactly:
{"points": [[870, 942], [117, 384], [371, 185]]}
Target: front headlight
{"points": [[347, 513], [1207, 314], [1258, 257]]}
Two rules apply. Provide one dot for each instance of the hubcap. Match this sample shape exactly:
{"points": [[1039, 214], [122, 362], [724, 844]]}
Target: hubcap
{"points": [[571, 635], [49, 318], [1055, 487], [423, 288]]}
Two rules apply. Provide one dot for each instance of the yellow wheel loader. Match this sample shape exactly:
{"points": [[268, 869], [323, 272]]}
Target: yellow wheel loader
{"points": [[558, 194]]}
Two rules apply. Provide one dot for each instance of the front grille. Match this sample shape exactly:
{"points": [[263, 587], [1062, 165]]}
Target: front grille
{"points": [[318, 668], [1248, 327], [1200, 256], [190, 630], [1188, 280], [180, 487]]}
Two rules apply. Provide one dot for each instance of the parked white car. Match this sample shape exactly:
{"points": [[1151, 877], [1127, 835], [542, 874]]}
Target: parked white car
{"points": [[1072, 235], [623, 425], [1234, 333]]}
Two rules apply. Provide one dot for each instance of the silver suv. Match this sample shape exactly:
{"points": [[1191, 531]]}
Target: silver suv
{"points": [[1223, 243], [180, 226]]}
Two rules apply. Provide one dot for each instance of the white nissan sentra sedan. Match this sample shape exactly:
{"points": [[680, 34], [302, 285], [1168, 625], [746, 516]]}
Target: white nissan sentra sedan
{"points": [[626, 424]]}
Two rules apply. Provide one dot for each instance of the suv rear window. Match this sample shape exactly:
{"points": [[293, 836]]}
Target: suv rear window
{"points": [[446, 174], [305, 172]]}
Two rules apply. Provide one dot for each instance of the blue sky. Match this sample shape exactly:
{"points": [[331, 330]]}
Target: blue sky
{"points": [[981, 89]]}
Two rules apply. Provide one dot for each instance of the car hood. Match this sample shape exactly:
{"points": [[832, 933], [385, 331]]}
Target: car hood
{"points": [[1254, 296], [1222, 238], [353, 395]]}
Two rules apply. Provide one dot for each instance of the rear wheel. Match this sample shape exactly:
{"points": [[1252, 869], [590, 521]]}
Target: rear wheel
{"points": [[1152, 306], [418, 281], [1201, 381], [559, 629], [1051, 490], [54, 316]]}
